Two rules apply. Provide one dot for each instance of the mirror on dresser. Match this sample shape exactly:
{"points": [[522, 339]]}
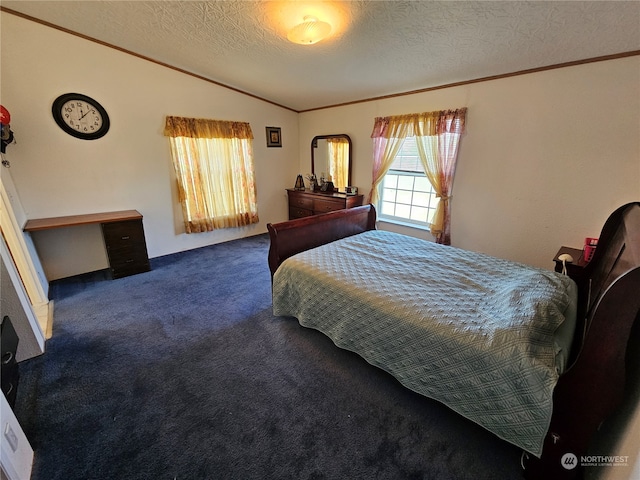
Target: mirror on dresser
{"points": [[331, 157]]}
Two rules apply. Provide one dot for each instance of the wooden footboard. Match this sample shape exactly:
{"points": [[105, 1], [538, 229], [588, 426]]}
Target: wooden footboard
{"points": [[593, 386], [295, 236]]}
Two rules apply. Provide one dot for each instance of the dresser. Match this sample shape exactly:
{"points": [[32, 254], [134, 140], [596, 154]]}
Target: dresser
{"points": [[123, 235], [304, 203]]}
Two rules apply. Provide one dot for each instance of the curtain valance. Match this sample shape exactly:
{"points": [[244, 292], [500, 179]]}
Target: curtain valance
{"points": [[205, 128], [424, 124]]}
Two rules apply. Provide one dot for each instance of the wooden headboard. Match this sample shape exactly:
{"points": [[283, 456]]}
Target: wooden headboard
{"points": [[295, 236]]}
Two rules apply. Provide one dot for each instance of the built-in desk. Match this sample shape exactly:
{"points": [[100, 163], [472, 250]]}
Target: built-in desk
{"points": [[123, 235]]}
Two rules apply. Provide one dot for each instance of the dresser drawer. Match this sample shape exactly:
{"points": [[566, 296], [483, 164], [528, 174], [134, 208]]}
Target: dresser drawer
{"points": [[295, 212], [323, 205], [354, 201], [300, 201]]}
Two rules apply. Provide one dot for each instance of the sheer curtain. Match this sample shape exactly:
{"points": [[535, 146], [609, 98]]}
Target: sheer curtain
{"points": [[388, 136], [339, 161], [438, 137], [213, 161], [438, 142]]}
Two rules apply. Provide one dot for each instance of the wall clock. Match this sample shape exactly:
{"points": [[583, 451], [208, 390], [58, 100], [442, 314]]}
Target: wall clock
{"points": [[80, 116]]}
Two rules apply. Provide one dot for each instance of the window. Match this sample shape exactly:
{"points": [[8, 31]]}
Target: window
{"points": [[407, 195], [436, 136], [213, 161]]}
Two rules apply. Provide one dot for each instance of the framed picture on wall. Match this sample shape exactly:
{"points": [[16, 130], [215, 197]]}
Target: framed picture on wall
{"points": [[274, 139]]}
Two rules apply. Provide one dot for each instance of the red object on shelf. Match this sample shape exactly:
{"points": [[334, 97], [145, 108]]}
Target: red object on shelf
{"points": [[590, 245], [5, 116]]}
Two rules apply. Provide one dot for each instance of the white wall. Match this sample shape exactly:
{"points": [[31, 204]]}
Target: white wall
{"points": [[130, 168], [546, 157]]}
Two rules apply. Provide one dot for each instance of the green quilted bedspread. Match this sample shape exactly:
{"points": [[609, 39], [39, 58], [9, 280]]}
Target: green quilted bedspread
{"points": [[482, 335]]}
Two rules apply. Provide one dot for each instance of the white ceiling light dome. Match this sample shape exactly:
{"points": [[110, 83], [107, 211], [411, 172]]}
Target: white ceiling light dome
{"points": [[310, 31]]}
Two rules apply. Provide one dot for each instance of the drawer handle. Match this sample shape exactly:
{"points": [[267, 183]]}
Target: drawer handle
{"points": [[125, 238], [7, 357]]}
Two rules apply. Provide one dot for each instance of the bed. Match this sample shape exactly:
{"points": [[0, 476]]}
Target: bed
{"points": [[529, 354]]}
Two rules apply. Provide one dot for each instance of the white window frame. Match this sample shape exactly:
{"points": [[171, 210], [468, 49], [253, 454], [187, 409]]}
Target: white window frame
{"points": [[406, 196]]}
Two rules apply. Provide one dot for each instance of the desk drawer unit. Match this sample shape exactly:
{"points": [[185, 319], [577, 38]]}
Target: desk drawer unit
{"points": [[126, 247]]}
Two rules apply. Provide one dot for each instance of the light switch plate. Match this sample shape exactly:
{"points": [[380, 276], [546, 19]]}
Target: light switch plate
{"points": [[11, 437]]}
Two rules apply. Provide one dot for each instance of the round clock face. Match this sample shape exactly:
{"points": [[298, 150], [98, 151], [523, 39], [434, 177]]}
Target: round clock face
{"points": [[80, 116]]}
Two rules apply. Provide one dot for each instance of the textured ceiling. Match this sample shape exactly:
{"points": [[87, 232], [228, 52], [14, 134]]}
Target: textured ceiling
{"points": [[376, 48]]}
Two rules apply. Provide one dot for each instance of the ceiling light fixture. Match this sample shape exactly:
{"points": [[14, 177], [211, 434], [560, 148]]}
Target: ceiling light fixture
{"points": [[309, 32]]}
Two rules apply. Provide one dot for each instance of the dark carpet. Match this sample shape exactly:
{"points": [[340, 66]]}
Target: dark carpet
{"points": [[184, 373]]}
